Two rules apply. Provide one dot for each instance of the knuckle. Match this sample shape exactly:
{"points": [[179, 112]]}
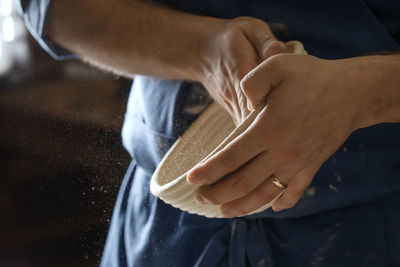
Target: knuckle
{"points": [[249, 21], [260, 143], [298, 154], [244, 20], [278, 61], [278, 134], [293, 153], [235, 26], [274, 62]]}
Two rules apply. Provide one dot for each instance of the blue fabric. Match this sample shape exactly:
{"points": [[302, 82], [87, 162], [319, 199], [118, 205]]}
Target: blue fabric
{"points": [[35, 14], [349, 214]]}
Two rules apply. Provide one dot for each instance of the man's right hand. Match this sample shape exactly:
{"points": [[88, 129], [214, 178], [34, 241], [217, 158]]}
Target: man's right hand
{"points": [[233, 48], [137, 37]]}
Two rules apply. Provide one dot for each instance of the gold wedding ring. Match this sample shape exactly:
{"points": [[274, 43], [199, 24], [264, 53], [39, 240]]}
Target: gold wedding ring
{"points": [[277, 182]]}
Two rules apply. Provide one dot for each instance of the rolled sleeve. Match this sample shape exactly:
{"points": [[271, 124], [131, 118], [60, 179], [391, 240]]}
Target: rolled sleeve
{"points": [[35, 13]]}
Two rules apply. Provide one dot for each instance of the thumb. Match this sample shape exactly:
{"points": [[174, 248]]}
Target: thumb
{"points": [[260, 81], [263, 41]]}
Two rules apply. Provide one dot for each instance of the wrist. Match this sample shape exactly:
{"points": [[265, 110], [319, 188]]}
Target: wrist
{"points": [[381, 79], [199, 49]]}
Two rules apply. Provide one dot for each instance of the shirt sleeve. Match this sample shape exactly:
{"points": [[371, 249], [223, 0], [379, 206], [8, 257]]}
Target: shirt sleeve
{"points": [[35, 13]]}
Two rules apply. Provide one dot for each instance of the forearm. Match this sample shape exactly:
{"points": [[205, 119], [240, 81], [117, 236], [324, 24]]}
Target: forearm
{"points": [[131, 37], [382, 72]]}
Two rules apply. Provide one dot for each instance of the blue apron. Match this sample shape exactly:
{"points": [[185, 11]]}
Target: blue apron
{"points": [[347, 217]]}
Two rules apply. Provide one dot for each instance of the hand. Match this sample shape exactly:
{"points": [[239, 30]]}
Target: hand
{"points": [[234, 48], [313, 106]]}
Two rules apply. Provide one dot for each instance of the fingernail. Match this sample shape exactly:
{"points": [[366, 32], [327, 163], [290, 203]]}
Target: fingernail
{"points": [[276, 209], [249, 107], [193, 179], [283, 46], [203, 200], [228, 214]]}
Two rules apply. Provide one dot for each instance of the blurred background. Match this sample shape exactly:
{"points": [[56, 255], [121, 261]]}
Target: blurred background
{"points": [[61, 155]]}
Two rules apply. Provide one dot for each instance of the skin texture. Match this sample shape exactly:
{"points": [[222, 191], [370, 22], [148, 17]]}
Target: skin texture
{"points": [[230, 55], [215, 52], [313, 105]]}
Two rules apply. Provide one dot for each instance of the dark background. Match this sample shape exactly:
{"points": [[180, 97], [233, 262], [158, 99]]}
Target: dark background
{"points": [[62, 159]]}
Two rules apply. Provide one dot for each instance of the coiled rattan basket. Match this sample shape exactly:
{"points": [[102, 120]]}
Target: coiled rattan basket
{"points": [[211, 132]]}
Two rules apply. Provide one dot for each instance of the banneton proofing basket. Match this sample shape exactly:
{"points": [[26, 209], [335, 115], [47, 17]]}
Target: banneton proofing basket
{"points": [[210, 133]]}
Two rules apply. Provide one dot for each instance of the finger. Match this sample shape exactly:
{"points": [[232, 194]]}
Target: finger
{"points": [[236, 102], [237, 112], [263, 40], [272, 48], [239, 151], [259, 82], [230, 104], [240, 182], [242, 104], [263, 194], [296, 188]]}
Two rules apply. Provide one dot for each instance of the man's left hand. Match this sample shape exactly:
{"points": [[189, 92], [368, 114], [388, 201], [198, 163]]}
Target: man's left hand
{"points": [[313, 105]]}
